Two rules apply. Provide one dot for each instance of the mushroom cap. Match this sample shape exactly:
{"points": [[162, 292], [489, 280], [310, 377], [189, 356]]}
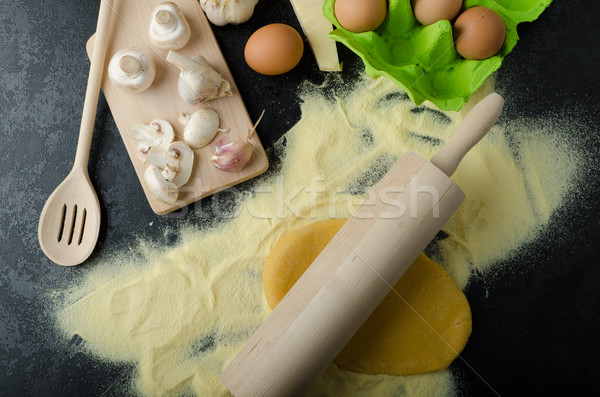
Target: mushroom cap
{"points": [[201, 128], [169, 33], [131, 70]]}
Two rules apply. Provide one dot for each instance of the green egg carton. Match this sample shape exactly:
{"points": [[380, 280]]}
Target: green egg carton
{"points": [[422, 59]]}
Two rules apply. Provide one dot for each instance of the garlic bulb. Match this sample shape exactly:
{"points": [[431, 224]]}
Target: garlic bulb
{"points": [[222, 12], [169, 30], [231, 156], [198, 81], [200, 128], [131, 70]]}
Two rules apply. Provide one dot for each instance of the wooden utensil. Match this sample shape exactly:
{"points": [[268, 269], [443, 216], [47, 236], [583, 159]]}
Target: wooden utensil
{"points": [[357, 269], [162, 100], [70, 220]]}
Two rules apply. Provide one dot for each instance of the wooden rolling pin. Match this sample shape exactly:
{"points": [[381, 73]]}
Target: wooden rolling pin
{"points": [[357, 269]]}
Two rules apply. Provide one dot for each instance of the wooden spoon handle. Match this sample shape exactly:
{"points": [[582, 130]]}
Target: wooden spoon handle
{"points": [[471, 130], [93, 87]]}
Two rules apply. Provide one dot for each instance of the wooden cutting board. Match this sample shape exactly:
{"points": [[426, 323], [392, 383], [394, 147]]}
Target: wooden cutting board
{"points": [[130, 23]]}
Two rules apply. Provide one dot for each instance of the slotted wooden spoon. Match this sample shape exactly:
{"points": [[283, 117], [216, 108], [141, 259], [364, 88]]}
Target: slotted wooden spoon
{"points": [[70, 220]]}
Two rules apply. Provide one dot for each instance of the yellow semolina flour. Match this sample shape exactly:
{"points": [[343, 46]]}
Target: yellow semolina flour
{"points": [[180, 313]]}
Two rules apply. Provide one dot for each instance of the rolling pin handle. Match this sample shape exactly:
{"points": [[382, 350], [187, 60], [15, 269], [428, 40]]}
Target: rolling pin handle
{"points": [[471, 130]]}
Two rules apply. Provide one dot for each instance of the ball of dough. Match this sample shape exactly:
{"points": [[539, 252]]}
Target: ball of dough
{"points": [[420, 326]]}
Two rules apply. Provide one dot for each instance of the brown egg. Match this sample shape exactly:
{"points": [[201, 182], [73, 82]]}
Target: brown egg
{"points": [[430, 11], [479, 33], [360, 15], [274, 49]]}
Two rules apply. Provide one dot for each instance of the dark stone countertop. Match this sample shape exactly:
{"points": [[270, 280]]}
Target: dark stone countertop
{"points": [[534, 333]]}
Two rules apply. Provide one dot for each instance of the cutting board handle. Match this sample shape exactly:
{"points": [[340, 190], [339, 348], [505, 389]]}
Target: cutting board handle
{"points": [[471, 130]]}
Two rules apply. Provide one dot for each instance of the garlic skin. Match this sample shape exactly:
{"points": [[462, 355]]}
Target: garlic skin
{"points": [[222, 12], [230, 156], [131, 70], [169, 30], [198, 81], [200, 128]]}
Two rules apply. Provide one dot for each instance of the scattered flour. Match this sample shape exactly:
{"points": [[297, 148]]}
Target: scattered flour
{"points": [[181, 313]]}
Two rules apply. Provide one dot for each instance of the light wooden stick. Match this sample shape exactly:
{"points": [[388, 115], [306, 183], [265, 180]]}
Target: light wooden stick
{"points": [[353, 274], [93, 87], [471, 130]]}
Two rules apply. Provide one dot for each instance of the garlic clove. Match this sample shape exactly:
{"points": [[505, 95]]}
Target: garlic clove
{"points": [[131, 70], [231, 156], [198, 81], [169, 30], [158, 187], [200, 128]]}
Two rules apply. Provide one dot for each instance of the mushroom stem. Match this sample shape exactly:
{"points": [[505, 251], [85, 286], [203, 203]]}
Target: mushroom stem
{"points": [[130, 65], [184, 118], [184, 63], [164, 19], [130, 69], [169, 30]]}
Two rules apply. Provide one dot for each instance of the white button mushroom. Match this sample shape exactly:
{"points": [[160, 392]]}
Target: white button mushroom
{"points": [[174, 165], [169, 30], [169, 164], [200, 128], [198, 81], [131, 70]]}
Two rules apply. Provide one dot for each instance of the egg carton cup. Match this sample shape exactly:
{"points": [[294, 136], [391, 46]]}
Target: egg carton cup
{"points": [[422, 60]]}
